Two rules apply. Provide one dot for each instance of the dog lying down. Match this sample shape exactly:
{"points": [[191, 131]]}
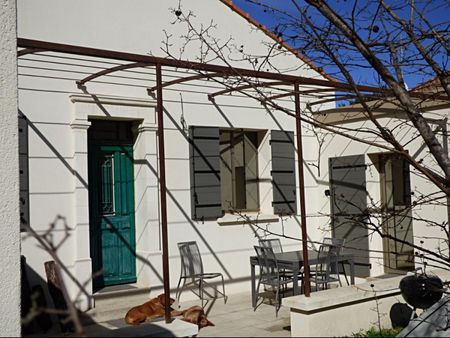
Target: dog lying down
{"points": [[154, 308]]}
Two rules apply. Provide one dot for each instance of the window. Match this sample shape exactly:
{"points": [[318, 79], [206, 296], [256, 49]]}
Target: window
{"points": [[239, 170], [106, 200], [225, 175]]}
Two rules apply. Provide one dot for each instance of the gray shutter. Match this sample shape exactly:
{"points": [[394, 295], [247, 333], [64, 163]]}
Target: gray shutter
{"points": [[349, 208], [283, 172], [204, 156], [23, 170]]}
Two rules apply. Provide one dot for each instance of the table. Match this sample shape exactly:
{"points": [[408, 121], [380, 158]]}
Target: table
{"points": [[293, 261]]}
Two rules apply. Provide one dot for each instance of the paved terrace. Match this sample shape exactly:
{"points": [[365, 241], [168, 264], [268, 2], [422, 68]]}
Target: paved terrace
{"points": [[234, 319], [237, 319]]}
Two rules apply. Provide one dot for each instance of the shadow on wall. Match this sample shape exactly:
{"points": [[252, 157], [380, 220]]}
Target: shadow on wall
{"points": [[42, 317], [41, 313]]}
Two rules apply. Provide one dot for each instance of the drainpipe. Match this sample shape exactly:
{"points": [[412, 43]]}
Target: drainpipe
{"points": [[162, 192], [301, 179]]}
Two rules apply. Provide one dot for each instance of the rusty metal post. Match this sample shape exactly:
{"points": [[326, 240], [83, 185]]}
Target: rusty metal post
{"points": [[301, 179], [162, 193]]}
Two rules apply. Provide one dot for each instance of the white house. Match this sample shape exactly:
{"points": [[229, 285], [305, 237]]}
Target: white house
{"points": [[89, 152]]}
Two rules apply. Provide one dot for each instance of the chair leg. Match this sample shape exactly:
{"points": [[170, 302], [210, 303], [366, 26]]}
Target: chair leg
{"points": [[345, 273], [200, 290], [223, 289], [277, 300], [338, 276], [178, 293], [256, 294]]}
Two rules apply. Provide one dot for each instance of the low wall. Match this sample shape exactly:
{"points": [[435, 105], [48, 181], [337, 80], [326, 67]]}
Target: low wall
{"points": [[346, 310]]}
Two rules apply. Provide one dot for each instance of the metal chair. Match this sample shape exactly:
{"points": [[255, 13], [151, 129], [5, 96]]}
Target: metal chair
{"points": [[326, 269], [338, 243], [276, 246], [192, 274], [270, 274]]}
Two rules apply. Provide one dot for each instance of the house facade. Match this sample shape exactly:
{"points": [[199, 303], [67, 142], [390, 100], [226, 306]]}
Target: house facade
{"points": [[89, 152]]}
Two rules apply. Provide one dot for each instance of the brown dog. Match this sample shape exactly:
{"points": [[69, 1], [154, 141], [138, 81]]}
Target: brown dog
{"points": [[152, 309], [196, 315]]}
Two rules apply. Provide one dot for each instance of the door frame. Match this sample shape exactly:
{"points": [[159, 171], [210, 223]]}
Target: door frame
{"points": [[388, 214], [142, 111]]}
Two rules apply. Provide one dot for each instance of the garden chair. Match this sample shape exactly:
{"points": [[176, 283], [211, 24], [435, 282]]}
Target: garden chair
{"points": [[338, 243], [193, 275], [270, 274], [276, 246], [326, 270]]}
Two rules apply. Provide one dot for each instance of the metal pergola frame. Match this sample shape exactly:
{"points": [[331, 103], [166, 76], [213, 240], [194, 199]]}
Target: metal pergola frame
{"points": [[205, 71]]}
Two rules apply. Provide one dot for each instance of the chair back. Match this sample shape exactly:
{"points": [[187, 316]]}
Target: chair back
{"points": [[191, 260], [333, 241], [268, 262], [273, 243]]}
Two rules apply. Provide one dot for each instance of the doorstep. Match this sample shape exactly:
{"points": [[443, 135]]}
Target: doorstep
{"points": [[120, 290]]}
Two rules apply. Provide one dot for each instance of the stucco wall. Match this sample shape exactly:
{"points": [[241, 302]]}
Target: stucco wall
{"points": [[57, 138], [9, 179]]}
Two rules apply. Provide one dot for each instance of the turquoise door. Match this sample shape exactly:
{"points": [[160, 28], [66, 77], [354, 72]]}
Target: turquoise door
{"points": [[111, 200]]}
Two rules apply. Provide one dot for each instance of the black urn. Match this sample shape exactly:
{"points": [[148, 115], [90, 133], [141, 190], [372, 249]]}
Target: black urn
{"points": [[421, 290]]}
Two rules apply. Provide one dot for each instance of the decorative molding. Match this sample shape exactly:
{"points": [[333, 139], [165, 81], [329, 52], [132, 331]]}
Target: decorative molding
{"points": [[145, 127], [247, 218], [80, 124]]}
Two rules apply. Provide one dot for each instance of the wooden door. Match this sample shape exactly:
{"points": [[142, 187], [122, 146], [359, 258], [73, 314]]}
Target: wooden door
{"points": [[112, 228]]}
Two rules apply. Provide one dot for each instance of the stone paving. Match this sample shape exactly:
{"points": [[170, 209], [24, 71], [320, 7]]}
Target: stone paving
{"points": [[236, 318]]}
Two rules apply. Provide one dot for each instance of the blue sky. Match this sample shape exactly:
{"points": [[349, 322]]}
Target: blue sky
{"points": [[439, 12]]}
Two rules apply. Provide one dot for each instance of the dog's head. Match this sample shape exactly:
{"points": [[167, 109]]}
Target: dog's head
{"points": [[162, 299], [203, 322]]}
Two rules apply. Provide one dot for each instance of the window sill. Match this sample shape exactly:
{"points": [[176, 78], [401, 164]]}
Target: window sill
{"points": [[247, 218]]}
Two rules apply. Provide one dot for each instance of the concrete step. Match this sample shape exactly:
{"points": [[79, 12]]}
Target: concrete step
{"points": [[158, 328], [113, 303]]}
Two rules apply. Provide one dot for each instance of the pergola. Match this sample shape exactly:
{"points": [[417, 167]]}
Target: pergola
{"points": [[323, 90]]}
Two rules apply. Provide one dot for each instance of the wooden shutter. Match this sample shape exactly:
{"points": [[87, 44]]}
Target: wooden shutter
{"points": [[349, 208], [205, 173], [23, 170], [283, 172]]}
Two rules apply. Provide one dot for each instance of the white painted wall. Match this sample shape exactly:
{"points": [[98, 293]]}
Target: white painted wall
{"points": [[9, 179], [59, 125]]}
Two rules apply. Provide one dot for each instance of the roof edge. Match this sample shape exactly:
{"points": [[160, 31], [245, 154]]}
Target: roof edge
{"points": [[433, 82], [265, 30]]}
